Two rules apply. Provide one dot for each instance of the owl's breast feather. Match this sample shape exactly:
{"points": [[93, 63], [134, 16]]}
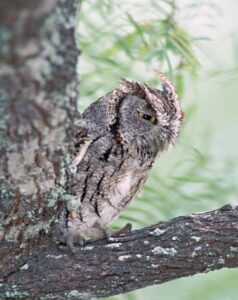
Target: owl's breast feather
{"points": [[122, 189]]}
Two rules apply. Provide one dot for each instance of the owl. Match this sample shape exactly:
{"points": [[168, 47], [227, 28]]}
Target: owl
{"points": [[114, 145]]}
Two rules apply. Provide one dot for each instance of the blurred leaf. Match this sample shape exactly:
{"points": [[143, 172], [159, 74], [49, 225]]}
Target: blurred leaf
{"points": [[129, 39], [138, 28], [180, 86]]}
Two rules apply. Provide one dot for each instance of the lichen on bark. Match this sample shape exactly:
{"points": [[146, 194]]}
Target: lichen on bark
{"points": [[38, 83]]}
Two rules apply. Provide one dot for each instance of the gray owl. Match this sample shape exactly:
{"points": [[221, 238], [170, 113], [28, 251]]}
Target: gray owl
{"points": [[115, 143]]}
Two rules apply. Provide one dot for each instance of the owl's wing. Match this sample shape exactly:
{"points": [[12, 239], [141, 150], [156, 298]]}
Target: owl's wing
{"points": [[82, 140]]}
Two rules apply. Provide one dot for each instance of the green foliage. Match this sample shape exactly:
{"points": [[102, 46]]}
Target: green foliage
{"points": [[118, 38], [128, 39]]}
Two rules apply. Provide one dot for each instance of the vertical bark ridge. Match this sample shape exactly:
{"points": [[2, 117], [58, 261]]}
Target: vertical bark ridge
{"points": [[38, 94]]}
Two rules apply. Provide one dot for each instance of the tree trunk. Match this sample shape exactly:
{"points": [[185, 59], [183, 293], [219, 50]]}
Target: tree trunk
{"points": [[38, 84], [38, 96]]}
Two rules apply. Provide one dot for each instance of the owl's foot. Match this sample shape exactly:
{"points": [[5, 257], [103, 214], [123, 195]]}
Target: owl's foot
{"points": [[68, 233], [70, 240], [125, 229], [113, 233]]}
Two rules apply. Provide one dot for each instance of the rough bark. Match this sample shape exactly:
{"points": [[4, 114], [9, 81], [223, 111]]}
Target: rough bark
{"points": [[181, 247], [38, 57], [37, 105]]}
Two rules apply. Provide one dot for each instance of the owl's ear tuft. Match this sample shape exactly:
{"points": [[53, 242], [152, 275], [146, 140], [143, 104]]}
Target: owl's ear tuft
{"points": [[167, 86], [132, 87]]}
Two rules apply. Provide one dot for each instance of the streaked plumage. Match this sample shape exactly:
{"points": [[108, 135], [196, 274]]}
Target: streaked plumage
{"points": [[115, 143]]}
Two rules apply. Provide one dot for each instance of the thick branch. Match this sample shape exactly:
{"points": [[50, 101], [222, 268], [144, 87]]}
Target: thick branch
{"points": [[181, 247]]}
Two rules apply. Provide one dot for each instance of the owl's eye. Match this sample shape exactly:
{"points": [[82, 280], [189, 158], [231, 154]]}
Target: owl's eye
{"points": [[151, 119]]}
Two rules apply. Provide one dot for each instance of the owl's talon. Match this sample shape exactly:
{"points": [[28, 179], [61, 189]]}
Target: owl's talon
{"points": [[114, 233], [127, 228]]}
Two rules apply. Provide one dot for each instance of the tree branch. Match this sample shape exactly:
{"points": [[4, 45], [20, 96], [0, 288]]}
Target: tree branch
{"points": [[181, 247]]}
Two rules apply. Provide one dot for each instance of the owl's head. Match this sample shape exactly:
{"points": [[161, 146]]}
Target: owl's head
{"points": [[148, 119]]}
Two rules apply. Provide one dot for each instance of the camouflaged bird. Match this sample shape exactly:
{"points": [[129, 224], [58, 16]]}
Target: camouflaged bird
{"points": [[115, 143]]}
